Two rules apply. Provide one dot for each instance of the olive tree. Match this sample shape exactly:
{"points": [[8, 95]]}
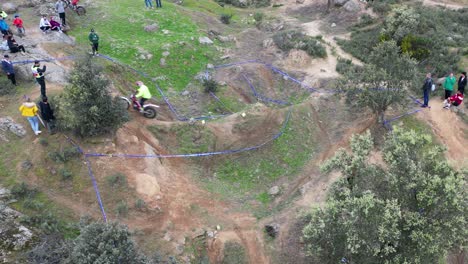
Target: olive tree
{"points": [[104, 243], [383, 82], [410, 208], [86, 105]]}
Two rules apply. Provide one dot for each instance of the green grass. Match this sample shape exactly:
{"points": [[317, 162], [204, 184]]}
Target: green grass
{"points": [[120, 26], [248, 176]]}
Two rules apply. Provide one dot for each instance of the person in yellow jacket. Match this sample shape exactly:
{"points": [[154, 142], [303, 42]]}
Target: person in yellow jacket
{"points": [[29, 110], [143, 92]]}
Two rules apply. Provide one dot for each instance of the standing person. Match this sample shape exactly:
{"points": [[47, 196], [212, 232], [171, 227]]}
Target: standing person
{"points": [[427, 89], [47, 114], [38, 74], [29, 110], [144, 93], [7, 66], [94, 39], [462, 83], [44, 25], [13, 45], [3, 14], [18, 22], [4, 28], [158, 3], [149, 3], [448, 85], [60, 8]]}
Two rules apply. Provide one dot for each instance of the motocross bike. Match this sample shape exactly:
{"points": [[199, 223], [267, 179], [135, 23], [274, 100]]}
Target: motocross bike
{"points": [[149, 110], [80, 10]]}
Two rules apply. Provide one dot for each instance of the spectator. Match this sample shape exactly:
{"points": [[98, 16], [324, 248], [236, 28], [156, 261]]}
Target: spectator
{"points": [[18, 22], [4, 28], [29, 110], [54, 25], [455, 100], [44, 25], [4, 45], [149, 3], [3, 14], [427, 89], [94, 39], [448, 85], [13, 45], [47, 114], [60, 8], [158, 3], [7, 67], [462, 82], [38, 74]]}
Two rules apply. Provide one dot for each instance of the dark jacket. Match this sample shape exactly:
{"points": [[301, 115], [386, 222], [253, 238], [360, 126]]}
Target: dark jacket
{"points": [[461, 84], [427, 84], [7, 67], [47, 113]]}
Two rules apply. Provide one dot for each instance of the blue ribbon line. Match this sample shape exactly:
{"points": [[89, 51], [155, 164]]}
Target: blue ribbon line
{"points": [[261, 97]]}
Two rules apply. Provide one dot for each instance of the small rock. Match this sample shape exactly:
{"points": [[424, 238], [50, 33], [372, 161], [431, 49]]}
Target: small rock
{"points": [[179, 249], [273, 191], [272, 229], [162, 62], [4, 193], [300, 1], [226, 38], [185, 93], [449, 39], [210, 234], [165, 31], [340, 2], [26, 165], [151, 28], [205, 40], [225, 57], [7, 124], [210, 66], [199, 233], [167, 236], [352, 6], [323, 70], [333, 25], [165, 53], [267, 43]]}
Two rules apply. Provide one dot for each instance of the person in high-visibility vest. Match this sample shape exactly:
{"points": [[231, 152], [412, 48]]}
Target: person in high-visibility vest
{"points": [[3, 14], [143, 92], [38, 74]]}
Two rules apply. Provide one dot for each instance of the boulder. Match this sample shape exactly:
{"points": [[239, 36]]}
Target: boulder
{"points": [[300, 1], [298, 58], [205, 40], [352, 6], [151, 28], [9, 7], [226, 38], [340, 2], [7, 124], [267, 42], [165, 53], [272, 229]]}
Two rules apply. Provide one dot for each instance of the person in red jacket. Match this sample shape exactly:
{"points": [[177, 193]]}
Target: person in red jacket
{"points": [[18, 22], [455, 100]]}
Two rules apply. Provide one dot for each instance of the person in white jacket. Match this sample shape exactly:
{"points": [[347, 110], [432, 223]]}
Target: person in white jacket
{"points": [[44, 25]]}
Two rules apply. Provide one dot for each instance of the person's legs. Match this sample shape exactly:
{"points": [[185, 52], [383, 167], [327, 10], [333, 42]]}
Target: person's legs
{"points": [[12, 78], [33, 121], [62, 18], [426, 97], [41, 82], [142, 101], [447, 94], [158, 3], [462, 90], [21, 48], [96, 47], [14, 49]]}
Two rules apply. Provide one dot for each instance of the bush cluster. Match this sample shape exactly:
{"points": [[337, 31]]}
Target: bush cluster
{"points": [[293, 39], [245, 3], [210, 85], [64, 155], [226, 18]]}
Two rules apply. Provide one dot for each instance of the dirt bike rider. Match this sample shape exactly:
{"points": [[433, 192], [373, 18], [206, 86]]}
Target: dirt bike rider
{"points": [[142, 92]]}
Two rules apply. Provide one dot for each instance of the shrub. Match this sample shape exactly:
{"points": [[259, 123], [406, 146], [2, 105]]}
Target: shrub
{"points": [[287, 40], [117, 180], [234, 253], [258, 17], [46, 221], [226, 18], [50, 249], [400, 23], [64, 155], [344, 66], [104, 243], [86, 105], [415, 47], [210, 85], [43, 142], [66, 174], [33, 204], [122, 209], [140, 204], [22, 190]]}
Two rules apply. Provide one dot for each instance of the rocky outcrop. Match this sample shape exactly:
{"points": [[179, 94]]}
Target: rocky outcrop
{"points": [[352, 6], [14, 236], [7, 125], [9, 8]]}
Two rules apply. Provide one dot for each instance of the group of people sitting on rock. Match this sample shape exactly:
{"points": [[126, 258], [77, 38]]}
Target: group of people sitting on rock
{"points": [[8, 41]]}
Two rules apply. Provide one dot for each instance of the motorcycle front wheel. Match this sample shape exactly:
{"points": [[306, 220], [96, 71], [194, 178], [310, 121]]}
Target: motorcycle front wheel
{"points": [[149, 112]]}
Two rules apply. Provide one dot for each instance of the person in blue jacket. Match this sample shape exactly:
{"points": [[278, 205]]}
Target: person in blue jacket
{"points": [[7, 67], [4, 28]]}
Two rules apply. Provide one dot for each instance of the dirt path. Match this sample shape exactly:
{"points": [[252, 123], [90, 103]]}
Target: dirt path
{"points": [[450, 130], [446, 4]]}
